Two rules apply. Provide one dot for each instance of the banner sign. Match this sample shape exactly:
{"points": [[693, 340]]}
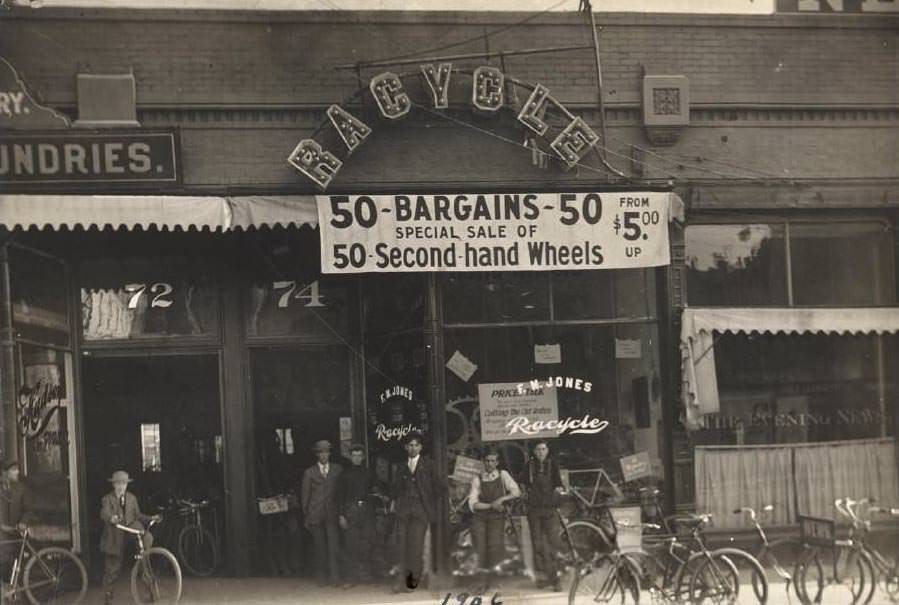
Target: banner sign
{"points": [[493, 232], [502, 402], [89, 160]]}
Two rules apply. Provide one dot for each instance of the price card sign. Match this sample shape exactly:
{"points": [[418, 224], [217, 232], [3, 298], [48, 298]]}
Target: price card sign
{"points": [[493, 232]]}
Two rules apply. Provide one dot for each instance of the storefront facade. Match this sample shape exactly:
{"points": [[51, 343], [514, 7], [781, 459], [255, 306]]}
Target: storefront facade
{"points": [[186, 327]]}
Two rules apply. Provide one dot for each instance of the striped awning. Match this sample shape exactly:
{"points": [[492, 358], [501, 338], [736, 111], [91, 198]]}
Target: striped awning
{"points": [[166, 212], [699, 325]]}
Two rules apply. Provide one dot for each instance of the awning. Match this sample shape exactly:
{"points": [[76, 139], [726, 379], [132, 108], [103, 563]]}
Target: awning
{"points": [[160, 211], [700, 383]]}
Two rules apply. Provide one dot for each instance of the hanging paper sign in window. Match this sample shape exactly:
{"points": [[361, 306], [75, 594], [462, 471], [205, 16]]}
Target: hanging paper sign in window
{"points": [[493, 232]]}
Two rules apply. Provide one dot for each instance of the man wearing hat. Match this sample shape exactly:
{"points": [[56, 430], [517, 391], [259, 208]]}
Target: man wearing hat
{"points": [[320, 512], [119, 506], [13, 513]]}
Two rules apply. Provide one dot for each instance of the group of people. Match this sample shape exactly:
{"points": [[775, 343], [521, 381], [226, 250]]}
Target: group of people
{"points": [[336, 500]]}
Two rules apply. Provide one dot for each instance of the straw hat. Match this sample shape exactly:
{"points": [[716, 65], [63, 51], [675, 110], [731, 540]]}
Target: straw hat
{"points": [[322, 446], [120, 476]]}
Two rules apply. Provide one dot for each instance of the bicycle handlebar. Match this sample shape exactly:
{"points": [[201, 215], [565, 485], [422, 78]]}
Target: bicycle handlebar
{"points": [[139, 532]]}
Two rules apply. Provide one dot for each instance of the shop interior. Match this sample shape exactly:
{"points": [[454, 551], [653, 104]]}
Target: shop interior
{"points": [[157, 417]]}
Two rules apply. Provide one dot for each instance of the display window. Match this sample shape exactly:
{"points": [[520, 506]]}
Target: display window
{"points": [[800, 415], [571, 358]]}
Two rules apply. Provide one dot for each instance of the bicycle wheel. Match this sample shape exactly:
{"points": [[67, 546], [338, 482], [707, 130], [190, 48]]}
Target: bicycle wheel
{"points": [[54, 575], [156, 578], [610, 579], [808, 577], [198, 550], [587, 540], [838, 575], [772, 556], [719, 577]]}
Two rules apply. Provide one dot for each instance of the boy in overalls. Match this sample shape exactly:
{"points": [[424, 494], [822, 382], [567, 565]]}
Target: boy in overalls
{"points": [[489, 492]]}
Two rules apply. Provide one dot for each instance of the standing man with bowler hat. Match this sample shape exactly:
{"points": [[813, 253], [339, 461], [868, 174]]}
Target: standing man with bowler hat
{"points": [[119, 507], [318, 496], [417, 488]]}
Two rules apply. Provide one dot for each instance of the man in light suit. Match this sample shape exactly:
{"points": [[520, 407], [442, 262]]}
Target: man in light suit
{"points": [[417, 489], [119, 506], [320, 511]]}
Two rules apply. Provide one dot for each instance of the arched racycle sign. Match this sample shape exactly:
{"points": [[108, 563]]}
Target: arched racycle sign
{"points": [[568, 137]]}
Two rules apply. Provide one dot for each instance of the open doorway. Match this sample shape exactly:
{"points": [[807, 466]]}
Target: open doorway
{"points": [[159, 418]]}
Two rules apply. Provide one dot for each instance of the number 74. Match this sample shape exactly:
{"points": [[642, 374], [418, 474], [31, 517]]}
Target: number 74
{"points": [[309, 292]]}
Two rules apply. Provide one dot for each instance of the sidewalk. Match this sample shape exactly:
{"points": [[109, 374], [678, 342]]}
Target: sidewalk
{"points": [[277, 591]]}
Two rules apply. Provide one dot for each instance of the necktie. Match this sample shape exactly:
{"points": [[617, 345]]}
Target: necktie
{"points": [[122, 502], [324, 471], [411, 465]]}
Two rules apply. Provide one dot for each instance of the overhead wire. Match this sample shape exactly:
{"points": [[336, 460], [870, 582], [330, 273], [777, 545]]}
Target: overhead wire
{"points": [[477, 38]]}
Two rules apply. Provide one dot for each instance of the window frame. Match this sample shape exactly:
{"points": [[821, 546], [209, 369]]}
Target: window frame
{"points": [[787, 220]]}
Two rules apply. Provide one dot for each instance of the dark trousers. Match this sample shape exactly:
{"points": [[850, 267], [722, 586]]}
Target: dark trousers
{"points": [[326, 541], [545, 539], [411, 530], [487, 532], [359, 536], [112, 563]]}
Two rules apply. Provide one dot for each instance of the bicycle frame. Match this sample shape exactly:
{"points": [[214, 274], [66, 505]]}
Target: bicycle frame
{"points": [[18, 564]]}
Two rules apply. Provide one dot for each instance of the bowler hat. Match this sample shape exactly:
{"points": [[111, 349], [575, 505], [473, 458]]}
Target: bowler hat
{"points": [[120, 476], [9, 463], [322, 446]]}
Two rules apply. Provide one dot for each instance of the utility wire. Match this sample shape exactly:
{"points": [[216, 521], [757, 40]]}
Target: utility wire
{"points": [[472, 39]]}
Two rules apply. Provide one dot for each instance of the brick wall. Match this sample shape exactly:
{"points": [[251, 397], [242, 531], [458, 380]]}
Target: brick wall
{"points": [[245, 87], [250, 58]]}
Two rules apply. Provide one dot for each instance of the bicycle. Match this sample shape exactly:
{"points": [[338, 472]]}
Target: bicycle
{"points": [[885, 567], [156, 575], [687, 575], [849, 577], [198, 547], [51, 574], [766, 554]]}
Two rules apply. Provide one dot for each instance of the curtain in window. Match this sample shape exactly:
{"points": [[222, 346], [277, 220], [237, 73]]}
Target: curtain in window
{"points": [[731, 478], [855, 469]]}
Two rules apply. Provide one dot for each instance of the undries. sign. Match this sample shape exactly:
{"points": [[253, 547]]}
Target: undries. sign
{"points": [[39, 150], [89, 160]]}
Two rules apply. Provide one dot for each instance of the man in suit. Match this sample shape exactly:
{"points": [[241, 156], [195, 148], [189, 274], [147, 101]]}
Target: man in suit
{"points": [[320, 511], [417, 489], [119, 507]]}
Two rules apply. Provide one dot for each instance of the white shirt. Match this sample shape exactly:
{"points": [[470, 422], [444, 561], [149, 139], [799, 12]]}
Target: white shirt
{"points": [[413, 463], [323, 468], [508, 483]]}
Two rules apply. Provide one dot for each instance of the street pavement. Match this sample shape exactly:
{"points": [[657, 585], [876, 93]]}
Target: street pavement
{"points": [[276, 591]]}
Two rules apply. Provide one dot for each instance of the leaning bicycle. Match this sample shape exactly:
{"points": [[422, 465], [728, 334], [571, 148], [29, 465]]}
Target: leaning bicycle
{"points": [[156, 575], [198, 546], [50, 575], [771, 553], [832, 570], [886, 564]]}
